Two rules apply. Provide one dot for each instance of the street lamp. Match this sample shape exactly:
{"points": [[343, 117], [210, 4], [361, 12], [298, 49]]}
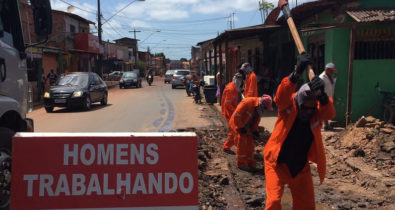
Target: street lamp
{"points": [[149, 36], [99, 24]]}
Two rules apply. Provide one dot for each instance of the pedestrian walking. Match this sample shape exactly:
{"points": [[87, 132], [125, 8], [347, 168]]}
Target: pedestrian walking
{"points": [[328, 78], [251, 85], [296, 139], [230, 99], [244, 124], [52, 77]]}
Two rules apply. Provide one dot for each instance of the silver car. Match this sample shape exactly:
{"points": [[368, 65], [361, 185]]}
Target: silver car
{"points": [[169, 76], [178, 77]]}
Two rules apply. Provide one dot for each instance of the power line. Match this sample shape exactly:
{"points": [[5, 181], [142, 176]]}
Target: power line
{"points": [[79, 7], [120, 10]]}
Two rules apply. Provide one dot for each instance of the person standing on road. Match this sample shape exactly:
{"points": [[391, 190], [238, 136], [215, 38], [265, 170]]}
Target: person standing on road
{"points": [[327, 77], [296, 139], [230, 99], [244, 125], [52, 77], [251, 85]]}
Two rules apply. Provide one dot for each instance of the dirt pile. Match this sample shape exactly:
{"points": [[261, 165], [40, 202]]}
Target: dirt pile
{"points": [[371, 140]]}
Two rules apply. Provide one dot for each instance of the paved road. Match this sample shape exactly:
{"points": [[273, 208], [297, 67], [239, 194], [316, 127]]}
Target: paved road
{"points": [[148, 109]]}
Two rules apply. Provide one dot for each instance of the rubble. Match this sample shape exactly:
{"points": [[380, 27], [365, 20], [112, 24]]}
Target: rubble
{"points": [[360, 170]]}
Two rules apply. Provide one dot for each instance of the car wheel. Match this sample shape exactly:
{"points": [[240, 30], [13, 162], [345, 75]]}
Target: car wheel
{"points": [[88, 103], [49, 109], [104, 99]]}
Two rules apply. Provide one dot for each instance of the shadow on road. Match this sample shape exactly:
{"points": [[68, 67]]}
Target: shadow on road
{"points": [[94, 107]]}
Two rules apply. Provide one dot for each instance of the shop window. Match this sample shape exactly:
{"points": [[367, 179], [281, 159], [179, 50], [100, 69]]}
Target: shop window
{"points": [[32, 69], [365, 50]]}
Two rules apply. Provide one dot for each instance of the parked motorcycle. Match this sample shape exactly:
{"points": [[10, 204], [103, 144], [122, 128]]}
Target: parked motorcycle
{"points": [[150, 79]]}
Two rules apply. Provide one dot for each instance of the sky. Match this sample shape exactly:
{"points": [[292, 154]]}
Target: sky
{"points": [[168, 26]]}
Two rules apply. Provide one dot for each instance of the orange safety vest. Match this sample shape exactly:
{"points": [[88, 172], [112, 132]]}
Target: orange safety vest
{"points": [[287, 112], [229, 100], [251, 86], [243, 113]]}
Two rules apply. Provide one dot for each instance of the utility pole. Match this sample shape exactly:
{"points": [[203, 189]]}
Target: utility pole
{"points": [[137, 51], [233, 19], [99, 60]]}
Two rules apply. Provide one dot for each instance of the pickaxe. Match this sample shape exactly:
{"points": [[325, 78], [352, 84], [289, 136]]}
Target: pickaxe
{"points": [[283, 6]]}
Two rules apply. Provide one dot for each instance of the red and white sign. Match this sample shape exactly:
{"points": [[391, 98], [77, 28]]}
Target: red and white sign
{"points": [[104, 170]]}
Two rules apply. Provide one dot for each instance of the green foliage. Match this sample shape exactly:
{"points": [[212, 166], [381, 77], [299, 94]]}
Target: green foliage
{"points": [[140, 65]]}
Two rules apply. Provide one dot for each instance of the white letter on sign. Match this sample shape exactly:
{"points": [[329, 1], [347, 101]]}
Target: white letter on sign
{"points": [[107, 191], [94, 185], [121, 154], [152, 150], [135, 153], [67, 154], [168, 189], [139, 184], [190, 182], [62, 186], [91, 149], [154, 182], [123, 184], [104, 155], [78, 182], [30, 179], [46, 181]]}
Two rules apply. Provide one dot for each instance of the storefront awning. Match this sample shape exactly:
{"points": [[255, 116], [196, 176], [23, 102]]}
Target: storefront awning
{"points": [[363, 15]]}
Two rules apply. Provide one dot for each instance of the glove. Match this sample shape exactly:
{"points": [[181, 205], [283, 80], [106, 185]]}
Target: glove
{"points": [[323, 99], [317, 84], [243, 130], [256, 134], [303, 60]]}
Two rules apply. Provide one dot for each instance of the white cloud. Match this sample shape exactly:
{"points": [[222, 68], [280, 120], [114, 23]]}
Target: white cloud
{"points": [[85, 10], [140, 24]]}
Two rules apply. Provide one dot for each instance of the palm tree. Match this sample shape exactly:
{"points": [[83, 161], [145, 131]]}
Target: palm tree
{"points": [[265, 8]]}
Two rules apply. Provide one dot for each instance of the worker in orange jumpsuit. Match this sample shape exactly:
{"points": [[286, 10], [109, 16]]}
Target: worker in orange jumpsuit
{"points": [[251, 85], [230, 99], [244, 124], [296, 139]]}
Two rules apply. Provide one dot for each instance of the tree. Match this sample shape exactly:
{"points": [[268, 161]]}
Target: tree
{"points": [[265, 7]]}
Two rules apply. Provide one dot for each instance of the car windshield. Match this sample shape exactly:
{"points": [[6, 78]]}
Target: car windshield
{"points": [[73, 80], [129, 75], [182, 72]]}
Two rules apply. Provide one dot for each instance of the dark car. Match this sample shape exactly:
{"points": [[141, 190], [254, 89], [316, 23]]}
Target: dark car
{"points": [[77, 89], [130, 79]]}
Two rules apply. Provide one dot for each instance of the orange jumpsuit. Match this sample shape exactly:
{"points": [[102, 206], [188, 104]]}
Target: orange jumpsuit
{"points": [[229, 104], [278, 174], [251, 86], [245, 143]]}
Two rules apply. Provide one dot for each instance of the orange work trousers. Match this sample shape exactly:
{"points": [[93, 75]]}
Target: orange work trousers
{"points": [[245, 146], [230, 141], [301, 187]]}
